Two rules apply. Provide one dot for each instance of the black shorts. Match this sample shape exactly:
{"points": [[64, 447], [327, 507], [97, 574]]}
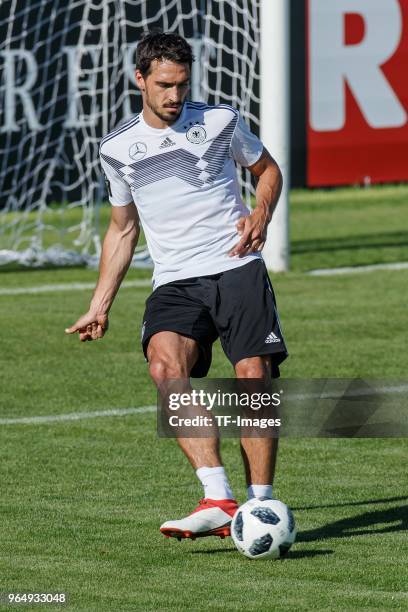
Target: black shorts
{"points": [[238, 306]]}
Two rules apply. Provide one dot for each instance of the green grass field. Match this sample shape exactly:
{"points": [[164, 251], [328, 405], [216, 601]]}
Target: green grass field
{"points": [[81, 501]]}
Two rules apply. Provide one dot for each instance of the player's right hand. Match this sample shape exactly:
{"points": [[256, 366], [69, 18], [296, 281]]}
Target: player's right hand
{"points": [[90, 326]]}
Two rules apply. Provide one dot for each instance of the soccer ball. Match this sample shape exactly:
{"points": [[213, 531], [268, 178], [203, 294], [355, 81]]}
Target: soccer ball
{"points": [[263, 528]]}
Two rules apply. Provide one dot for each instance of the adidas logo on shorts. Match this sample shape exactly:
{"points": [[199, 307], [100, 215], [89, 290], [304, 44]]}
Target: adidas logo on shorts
{"points": [[272, 338], [167, 142]]}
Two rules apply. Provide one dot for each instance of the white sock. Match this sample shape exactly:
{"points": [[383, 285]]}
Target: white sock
{"points": [[215, 482], [257, 490]]}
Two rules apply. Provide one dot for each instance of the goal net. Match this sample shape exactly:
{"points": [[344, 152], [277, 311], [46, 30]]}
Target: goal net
{"points": [[67, 79]]}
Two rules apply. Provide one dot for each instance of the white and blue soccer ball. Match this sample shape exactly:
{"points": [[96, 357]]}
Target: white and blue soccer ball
{"points": [[263, 528]]}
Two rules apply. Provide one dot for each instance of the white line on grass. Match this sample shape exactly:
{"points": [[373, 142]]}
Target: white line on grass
{"points": [[79, 416], [402, 265], [58, 287], [76, 416], [68, 287], [348, 393]]}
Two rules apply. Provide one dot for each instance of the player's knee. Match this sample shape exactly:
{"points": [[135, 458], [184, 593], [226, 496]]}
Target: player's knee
{"points": [[162, 369], [251, 368], [251, 372]]}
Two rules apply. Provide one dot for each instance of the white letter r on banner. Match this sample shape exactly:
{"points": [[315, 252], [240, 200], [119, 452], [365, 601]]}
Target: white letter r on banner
{"points": [[332, 63]]}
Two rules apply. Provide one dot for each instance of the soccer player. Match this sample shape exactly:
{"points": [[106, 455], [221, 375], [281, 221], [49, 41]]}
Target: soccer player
{"points": [[173, 168]]}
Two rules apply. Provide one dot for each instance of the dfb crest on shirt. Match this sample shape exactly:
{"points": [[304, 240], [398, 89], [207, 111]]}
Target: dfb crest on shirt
{"points": [[196, 134]]}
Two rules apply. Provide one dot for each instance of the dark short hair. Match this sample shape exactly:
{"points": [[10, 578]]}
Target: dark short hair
{"points": [[159, 45]]}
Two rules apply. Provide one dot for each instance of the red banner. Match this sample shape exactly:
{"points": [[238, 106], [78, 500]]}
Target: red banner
{"points": [[357, 91]]}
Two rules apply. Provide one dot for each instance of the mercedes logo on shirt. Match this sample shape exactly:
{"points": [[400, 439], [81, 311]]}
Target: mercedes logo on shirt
{"points": [[137, 151]]}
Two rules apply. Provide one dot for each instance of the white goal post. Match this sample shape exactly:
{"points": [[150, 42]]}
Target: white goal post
{"points": [[67, 78], [275, 119]]}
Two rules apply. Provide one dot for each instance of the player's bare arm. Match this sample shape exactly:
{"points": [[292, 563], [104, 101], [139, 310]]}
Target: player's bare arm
{"points": [[117, 252], [253, 229]]}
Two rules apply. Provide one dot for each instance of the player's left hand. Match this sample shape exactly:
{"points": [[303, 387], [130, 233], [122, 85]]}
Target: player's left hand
{"points": [[90, 326], [253, 230]]}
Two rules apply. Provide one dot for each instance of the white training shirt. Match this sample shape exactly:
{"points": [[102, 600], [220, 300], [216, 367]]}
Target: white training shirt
{"points": [[184, 183]]}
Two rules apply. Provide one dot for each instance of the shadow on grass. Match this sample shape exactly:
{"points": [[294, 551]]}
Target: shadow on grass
{"points": [[211, 551], [305, 554], [365, 241], [386, 500], [368, 523], [292, 554], [15, 267]]}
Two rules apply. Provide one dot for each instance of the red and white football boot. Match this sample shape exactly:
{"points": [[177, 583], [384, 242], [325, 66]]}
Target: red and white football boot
{"points": [[211, 517]]}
